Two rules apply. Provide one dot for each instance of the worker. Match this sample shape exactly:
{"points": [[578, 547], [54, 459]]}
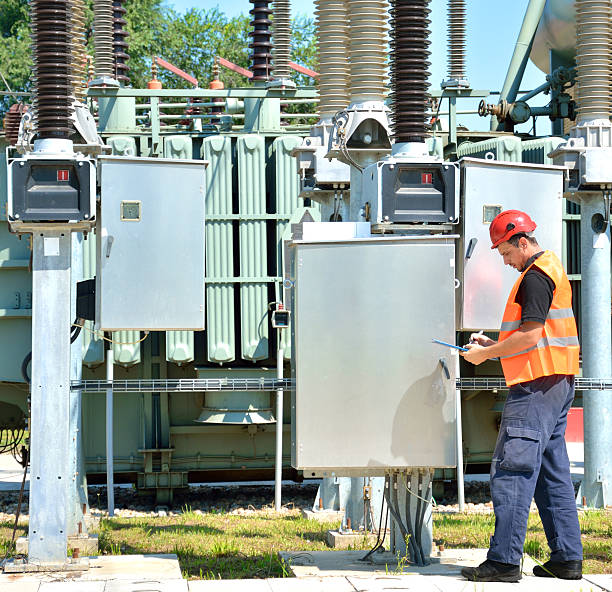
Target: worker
{"points": [[538, 349]]}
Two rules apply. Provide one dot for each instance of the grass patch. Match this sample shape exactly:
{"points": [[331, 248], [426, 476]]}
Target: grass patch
{"points": [[474, 530], [217, 545], [221, 545]]}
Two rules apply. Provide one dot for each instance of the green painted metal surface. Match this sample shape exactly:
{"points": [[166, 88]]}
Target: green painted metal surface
{"points": [[507, 148], [15, 292], [220, 328], [254, 295]]}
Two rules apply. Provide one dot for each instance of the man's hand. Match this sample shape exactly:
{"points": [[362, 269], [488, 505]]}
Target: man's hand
{"points": [[481, 339], [477, 353]]}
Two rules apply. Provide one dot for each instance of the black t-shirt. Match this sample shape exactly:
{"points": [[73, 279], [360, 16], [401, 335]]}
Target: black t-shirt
{"points": [[535, 293]]}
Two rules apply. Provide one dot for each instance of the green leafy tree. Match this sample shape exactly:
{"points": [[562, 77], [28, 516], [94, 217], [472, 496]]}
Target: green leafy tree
{"points": [[15, 53], [190, 41]]}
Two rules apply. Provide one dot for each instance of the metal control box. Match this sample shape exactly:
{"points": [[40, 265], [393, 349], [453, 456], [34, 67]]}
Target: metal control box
{"points": [[372, 390], [489, 187], [407, 191], [51, 189], [150, 247]]}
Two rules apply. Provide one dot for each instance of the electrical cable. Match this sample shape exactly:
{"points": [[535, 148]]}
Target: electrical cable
{"points": [[417, 544], [24, 367], [379, 540], [417, 525], [407, 535], [102, 336]]}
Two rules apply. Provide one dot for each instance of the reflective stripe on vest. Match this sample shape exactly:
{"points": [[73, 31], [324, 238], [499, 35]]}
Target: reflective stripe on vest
{"points": [[557, 351]]}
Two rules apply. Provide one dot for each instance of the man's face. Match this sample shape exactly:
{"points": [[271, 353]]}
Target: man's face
{"points": [[514, 256]]}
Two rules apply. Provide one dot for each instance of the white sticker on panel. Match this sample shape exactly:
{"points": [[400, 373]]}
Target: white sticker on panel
{"points": [[51, 246]]}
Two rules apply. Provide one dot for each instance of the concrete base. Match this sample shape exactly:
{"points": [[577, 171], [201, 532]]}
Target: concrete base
{"points": [[22, 566], [351, 540], [86, 544], [323, 515]]}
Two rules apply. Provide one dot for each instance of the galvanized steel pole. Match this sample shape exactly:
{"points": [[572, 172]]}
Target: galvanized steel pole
{"points": [[596, 351], [77, 490], [110, 491], [278, 467], [459, 436], [50, 387]]}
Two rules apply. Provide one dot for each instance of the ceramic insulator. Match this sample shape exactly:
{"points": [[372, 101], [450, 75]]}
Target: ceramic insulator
{"points": [[333, 42], [261, 45], [120, 45], [368, 22], [282, 38], [51, 45], [79, 53], [103, 38], [12, 119], [409, 68], [456, 39], [593, 55]]}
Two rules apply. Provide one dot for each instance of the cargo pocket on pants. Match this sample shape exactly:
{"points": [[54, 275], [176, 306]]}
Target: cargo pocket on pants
{"points": [[520, 449]]}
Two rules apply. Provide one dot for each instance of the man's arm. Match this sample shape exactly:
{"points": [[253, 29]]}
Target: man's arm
{"points": [[528, 334]]}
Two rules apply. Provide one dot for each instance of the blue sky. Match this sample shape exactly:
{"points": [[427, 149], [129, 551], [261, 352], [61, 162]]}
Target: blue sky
{"points": [[490, 43]]}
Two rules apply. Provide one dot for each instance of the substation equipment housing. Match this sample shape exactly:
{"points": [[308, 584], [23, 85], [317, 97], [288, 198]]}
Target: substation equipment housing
{"points": [[372, 392]]}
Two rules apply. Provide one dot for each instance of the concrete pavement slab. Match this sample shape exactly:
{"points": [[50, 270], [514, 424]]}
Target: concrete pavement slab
{"points": [[331, 584], [158, 567], [152, 585], [19, 586], [413, 583], [72, 587], [604, 581], [229, 586]]}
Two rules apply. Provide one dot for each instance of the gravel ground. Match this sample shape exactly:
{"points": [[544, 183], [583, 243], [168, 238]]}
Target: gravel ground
{"points": [[236, 499]]}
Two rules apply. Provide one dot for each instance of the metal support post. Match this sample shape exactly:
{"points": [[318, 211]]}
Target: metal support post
{"points": [[520, 56], [77, 491], [596, 350], [459, 433], [110, 491], [50, 436], [278, 466]]}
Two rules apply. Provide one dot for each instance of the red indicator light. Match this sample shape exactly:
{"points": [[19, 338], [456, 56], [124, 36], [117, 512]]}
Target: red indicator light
{"points": [[426, 178], [62, 175]]}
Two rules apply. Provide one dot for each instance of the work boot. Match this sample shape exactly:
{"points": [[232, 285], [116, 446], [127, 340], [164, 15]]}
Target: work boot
{"points": [[564, 570], [492, 571]]}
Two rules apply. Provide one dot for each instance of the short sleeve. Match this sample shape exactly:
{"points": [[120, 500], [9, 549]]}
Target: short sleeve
{"points": [[535, 296]]}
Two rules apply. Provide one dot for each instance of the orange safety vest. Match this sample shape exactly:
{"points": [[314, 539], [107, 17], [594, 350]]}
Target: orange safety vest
{"points": [[557, 350]]}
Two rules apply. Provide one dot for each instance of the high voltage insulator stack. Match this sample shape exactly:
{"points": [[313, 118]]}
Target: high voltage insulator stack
{"points": [[79, 53], [282, 38], [261, 45], [12, 119], [103, 38], [456, 39], [333, 41], [51, 44], [120, 46], [409, 68], [593, 54], [368, 49]]}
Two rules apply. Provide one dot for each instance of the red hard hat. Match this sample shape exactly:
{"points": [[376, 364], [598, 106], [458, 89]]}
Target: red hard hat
{"points": [[509, 223]]}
